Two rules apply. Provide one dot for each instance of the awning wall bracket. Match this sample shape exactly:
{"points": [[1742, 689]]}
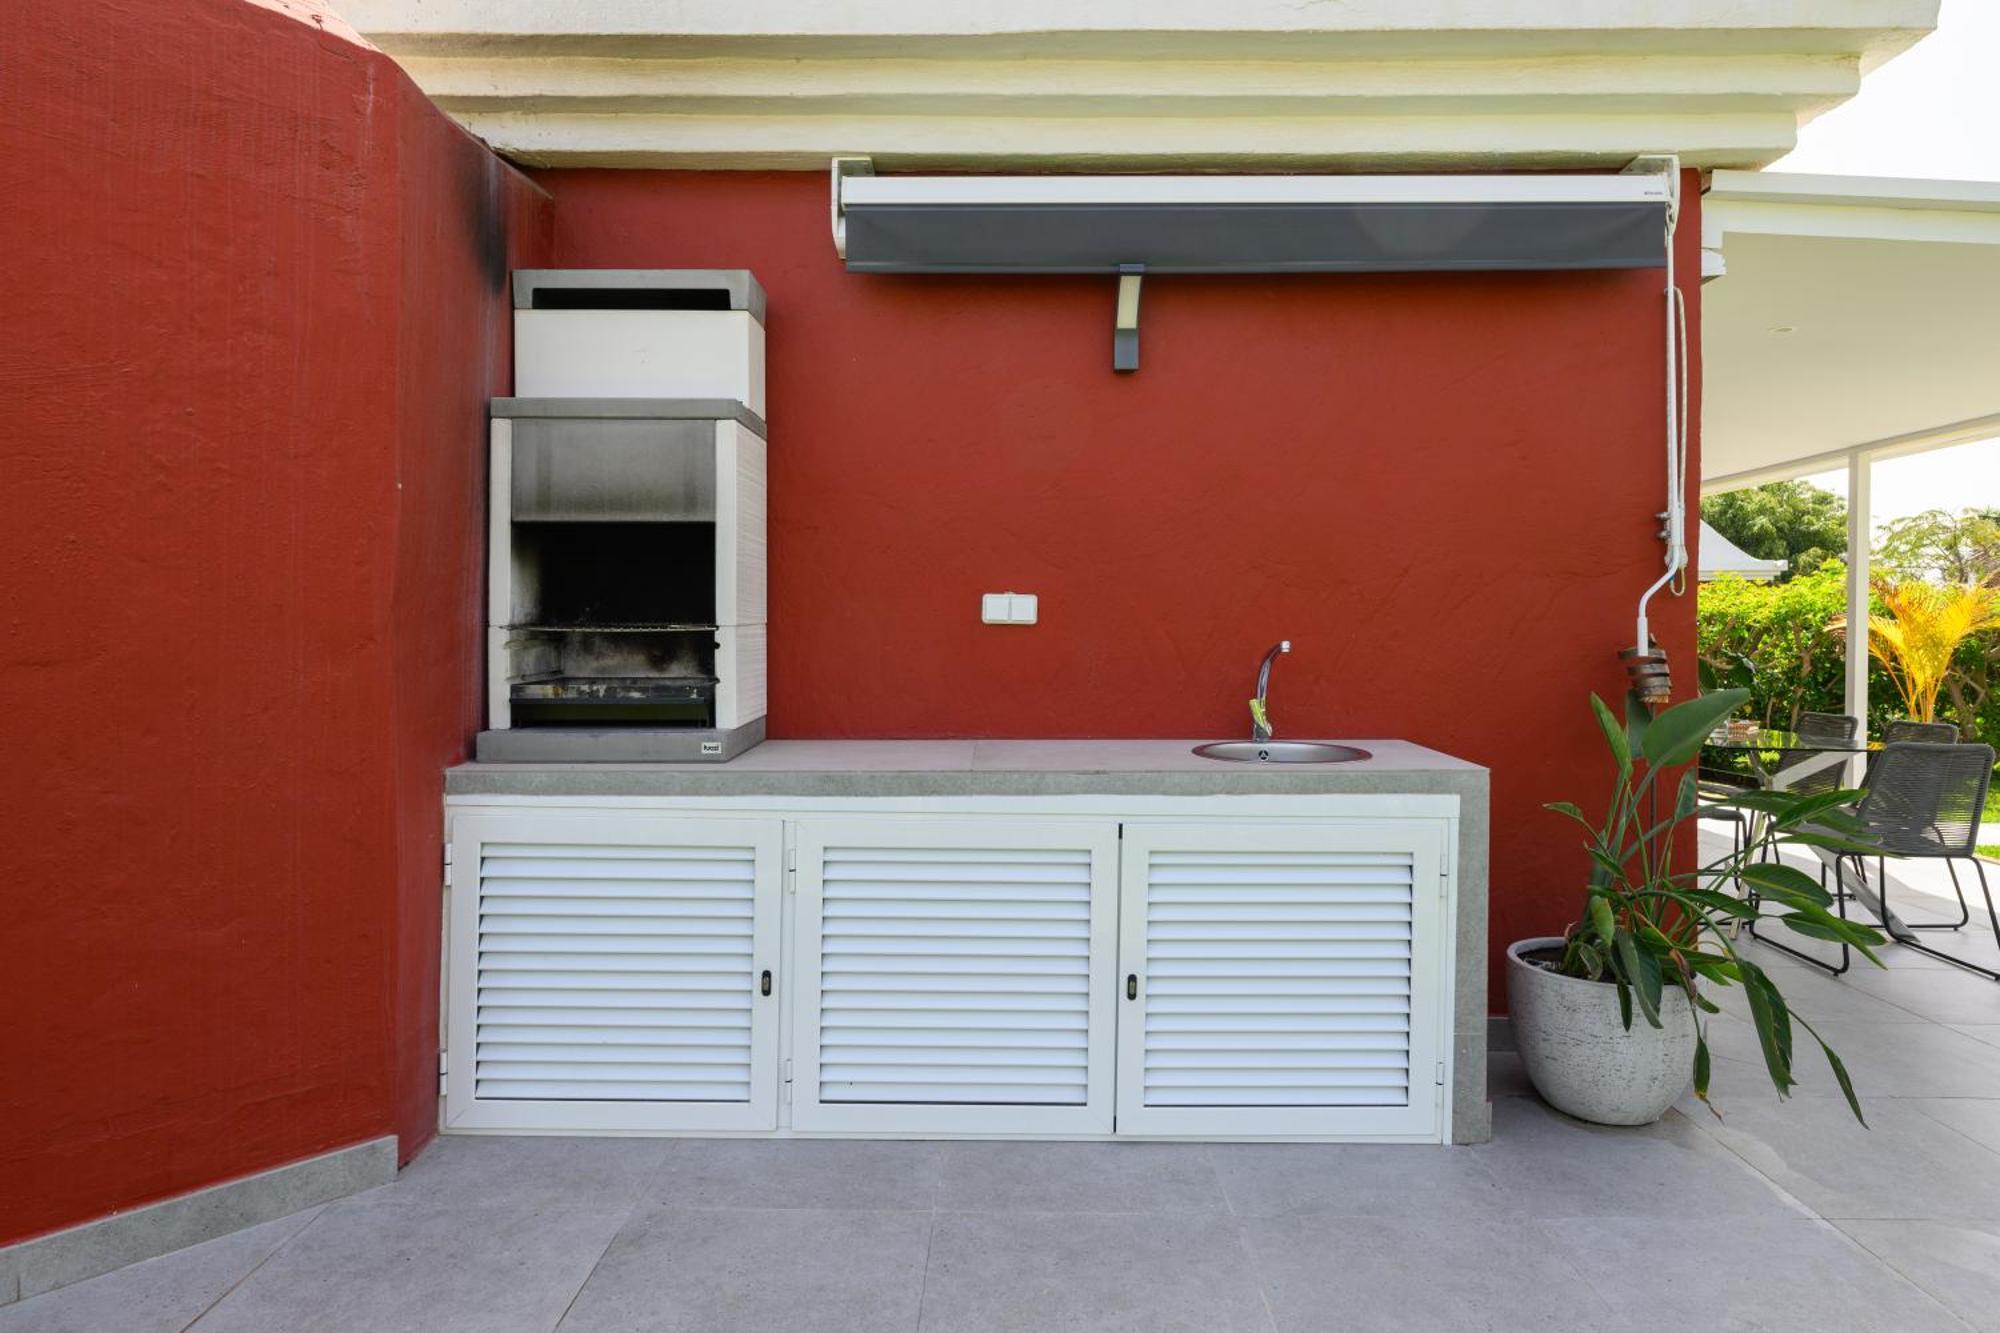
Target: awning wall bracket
{"points": [[1125, 328]]}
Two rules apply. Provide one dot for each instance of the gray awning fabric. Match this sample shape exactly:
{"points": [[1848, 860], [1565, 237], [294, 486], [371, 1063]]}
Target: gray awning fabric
{"points": [[1293, 237]]}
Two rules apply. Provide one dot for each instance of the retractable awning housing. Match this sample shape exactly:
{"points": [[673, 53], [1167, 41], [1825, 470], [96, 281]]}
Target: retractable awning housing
{"points": [[1247, 224], [1134, 226]]}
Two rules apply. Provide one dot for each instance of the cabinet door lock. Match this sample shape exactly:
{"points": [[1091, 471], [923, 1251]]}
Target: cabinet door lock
{"points": [[1132, 986], [764, 985]]}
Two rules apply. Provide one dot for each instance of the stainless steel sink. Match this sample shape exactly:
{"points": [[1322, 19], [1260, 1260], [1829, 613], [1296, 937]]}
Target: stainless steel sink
{"points": [[1279, 752]]}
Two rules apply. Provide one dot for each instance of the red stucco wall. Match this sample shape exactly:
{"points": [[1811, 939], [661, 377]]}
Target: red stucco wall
{"points": [[1441, 489], [256, 300]]}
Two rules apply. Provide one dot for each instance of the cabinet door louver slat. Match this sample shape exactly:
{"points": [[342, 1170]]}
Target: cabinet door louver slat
{"points": [[714, 1007], [1285, 977], [955, 969], [1285, 959], [865, 939], [610, 980]]}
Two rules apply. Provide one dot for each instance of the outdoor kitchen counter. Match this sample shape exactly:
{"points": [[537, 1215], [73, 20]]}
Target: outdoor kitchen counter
{"points": [[863, 768], [1149, 779]]}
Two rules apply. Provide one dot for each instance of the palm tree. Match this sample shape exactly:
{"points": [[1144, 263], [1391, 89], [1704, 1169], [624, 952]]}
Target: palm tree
{"points": [[1925, 625]]}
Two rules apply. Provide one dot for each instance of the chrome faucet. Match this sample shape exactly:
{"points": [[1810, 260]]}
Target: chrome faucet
{"points": [[1260, 716]]}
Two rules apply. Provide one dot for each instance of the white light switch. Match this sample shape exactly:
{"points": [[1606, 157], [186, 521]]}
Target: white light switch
{"points": [[1009, 608]]}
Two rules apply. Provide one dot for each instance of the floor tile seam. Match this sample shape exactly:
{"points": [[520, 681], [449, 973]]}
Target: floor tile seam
{"points": [[669, 1205], [1221, 1185], [1985, 1149], [1211, 1211], [319, 1211], [1861, 988], [1889, 1266], [1248, 1252], [1553, 1246], [1938, 1219], [669, 1147], [1776, 1186], [1818, 1223], [639, 1200], [566, 1203], [924, 1272]]}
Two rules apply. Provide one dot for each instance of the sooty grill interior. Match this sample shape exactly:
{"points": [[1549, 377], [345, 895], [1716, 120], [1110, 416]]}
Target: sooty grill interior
{"points": [[622, 575]]}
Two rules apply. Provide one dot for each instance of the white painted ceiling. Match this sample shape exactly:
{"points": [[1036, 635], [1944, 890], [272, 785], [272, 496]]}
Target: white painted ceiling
{"points": [[1846, 321]]}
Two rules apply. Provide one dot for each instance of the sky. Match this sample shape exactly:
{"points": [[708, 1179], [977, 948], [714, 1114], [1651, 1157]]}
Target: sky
{"points": [[1933, 111]]}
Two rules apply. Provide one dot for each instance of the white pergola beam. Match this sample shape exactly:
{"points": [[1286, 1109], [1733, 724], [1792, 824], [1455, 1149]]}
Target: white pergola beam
{"points": [[1140, 84], [1860, 537], [1833, 460]]}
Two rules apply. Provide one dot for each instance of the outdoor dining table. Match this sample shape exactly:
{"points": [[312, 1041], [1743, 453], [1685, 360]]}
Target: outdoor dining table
{"points": [[1782, 760]]}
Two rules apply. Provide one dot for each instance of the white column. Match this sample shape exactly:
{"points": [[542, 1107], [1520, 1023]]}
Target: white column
{"points": [[1860, 531]]}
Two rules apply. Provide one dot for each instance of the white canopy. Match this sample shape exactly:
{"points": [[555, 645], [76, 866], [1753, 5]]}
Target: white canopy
{"points": [[1721, 556]]}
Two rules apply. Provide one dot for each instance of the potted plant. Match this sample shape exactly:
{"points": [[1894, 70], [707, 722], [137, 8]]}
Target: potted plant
{"points": [[1651, 935]]}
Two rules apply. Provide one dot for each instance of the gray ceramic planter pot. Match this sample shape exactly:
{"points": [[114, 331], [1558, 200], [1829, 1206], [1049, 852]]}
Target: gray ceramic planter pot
{"points": [[1579, 1055]]}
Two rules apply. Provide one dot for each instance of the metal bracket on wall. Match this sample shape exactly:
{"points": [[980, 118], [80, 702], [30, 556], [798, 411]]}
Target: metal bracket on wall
{"points": [[844, 167], [1125, 328]]}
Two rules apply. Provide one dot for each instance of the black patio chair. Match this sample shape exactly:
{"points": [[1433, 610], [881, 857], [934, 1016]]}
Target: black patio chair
{"points": [[1835, 728], [1811, 768], [1714, 784], [1924, 802], [1909, 729]]}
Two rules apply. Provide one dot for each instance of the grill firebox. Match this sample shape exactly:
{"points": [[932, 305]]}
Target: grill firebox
{"points": [[627, 610]]}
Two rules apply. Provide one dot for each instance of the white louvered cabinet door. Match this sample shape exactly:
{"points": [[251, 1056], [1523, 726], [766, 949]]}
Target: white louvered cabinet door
{"points": [[606, 972], [955, 977], [1281, 979]]}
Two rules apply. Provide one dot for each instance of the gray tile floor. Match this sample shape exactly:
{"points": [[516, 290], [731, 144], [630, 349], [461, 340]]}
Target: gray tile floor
{"points": [[1777, 1216]]}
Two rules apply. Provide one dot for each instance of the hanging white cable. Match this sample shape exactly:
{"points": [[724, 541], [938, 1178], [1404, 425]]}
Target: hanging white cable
{"points": [[1675, 515]]}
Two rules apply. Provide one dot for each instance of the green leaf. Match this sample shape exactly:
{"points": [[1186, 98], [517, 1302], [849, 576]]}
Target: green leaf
{"points": [[1638, 720], [1764, 802], [1649, 987], [1676, 736], [1614, 735], [1845, 822], [1611, 869], [1775, 879], [1833, 842], [1634, 966], [1723, 904], [1773, 1023], [1624, 998], [1601, 919], [1826, 803], [1846, 1083], [1714, 968], [1567, 808], [1690, 795], [1701, 1065], [1816, 923]]}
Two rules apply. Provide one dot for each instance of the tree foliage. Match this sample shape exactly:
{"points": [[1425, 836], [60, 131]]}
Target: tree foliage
{"points": [[1794, 521], [1787, 644], [1942, 547], [1918, 638], [1786, 636]]}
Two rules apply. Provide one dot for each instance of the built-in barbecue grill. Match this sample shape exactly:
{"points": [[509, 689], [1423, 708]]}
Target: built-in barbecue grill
{"points": [[627, 609]]}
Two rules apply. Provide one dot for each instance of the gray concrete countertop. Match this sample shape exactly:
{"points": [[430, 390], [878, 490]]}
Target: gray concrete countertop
{"points": [[978, 768]]}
